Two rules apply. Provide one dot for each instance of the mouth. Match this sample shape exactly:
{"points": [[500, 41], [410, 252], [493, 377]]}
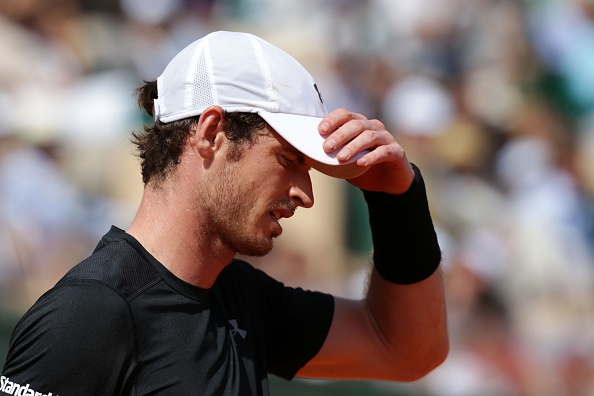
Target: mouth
{"points": [[275, 228], [278, 213], [277, 216]]}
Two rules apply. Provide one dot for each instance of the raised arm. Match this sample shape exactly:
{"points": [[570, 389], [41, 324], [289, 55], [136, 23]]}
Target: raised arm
{"points": [[399, 330]]}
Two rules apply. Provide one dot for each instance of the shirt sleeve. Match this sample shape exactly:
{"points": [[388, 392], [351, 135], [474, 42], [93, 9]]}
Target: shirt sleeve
{"points": [[297, 324], [77, 339]]}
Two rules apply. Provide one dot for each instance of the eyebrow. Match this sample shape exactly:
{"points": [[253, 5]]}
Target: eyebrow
{"points": [[301, 158]]}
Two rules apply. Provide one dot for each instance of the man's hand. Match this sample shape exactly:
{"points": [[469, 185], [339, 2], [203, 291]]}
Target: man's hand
{"points": [[389, 169]]}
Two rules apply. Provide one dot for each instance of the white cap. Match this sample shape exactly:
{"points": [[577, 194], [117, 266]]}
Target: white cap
{"points": [[243, 73]]}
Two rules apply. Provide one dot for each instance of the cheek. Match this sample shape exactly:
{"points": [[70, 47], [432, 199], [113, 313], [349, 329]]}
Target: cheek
{"points": [[266, 178], [262, 179]]}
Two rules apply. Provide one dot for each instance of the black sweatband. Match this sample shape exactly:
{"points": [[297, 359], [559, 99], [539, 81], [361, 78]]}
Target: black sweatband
{"points": [[404, 241]]}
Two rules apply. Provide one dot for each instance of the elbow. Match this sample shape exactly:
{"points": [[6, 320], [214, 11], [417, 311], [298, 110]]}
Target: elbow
{"points": [[432, 362], [421, 364]]}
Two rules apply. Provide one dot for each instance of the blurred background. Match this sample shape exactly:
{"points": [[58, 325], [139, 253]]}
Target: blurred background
{"points": [[492, 99]]}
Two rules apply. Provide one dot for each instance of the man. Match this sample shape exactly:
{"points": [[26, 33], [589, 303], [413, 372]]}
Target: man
{"points": [[164, 308]]}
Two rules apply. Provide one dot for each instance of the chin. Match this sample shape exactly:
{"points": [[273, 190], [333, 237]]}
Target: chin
{"points": [[256, 249]]}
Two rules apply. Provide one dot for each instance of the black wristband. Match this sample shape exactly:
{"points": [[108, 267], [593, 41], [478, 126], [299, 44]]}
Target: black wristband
{"points": [[405, 247]]}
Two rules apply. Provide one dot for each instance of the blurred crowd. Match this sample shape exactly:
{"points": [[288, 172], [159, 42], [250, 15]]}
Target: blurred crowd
{"points": [[492, 99]]}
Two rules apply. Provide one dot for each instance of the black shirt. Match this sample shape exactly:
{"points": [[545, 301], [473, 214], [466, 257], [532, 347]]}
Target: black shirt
{"points": [[119, 323]]}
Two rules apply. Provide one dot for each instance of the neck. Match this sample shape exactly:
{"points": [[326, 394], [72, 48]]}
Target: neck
{"points": [[168, 226]]}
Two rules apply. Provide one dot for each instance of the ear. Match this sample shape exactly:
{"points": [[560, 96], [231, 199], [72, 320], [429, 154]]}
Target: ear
{"points": [[209, 134]]}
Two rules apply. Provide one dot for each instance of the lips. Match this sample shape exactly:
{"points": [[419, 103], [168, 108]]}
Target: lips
{"points": [[283, 210], [275, 226], [280, 213]]}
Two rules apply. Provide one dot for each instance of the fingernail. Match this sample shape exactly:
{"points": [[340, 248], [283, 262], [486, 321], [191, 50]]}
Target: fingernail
{"points": [[344, 154], [324, 127], [330, 144]]}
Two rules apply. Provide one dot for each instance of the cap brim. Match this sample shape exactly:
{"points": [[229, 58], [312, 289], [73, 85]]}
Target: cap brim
{"points": [[302, 133]]}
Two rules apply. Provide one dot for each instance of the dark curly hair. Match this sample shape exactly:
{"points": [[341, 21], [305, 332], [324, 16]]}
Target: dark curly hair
{"points": [[159, 146]]}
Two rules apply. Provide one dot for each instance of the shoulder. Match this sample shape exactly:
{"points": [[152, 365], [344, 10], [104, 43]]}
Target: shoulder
{"points": [[118, 265], [73, 322], [75, 338], [75, 308]]}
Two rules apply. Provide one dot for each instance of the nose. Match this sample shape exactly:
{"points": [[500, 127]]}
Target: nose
{"points": [[302, 191]]}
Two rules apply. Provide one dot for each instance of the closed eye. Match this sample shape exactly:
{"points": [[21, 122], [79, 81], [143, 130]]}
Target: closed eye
{"points": [[284, 160], [287, 161], [292, 160]]}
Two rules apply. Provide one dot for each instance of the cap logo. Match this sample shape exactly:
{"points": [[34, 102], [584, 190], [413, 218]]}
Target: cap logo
{"points": [[319, 93]]}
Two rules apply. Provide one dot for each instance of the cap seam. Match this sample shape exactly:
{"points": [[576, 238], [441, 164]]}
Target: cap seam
{"points": [[265, 70], [210, 71]]}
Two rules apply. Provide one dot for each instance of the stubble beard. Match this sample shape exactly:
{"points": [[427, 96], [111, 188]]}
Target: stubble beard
{"points": [[228, 216]]}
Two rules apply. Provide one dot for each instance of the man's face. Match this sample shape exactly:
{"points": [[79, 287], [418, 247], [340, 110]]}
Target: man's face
{"points": [[245, 198]]}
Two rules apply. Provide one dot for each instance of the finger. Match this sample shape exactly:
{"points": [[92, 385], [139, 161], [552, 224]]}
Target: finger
{"points": [[335, 119], [349, 131], [385, 153], [357, 136], [369, 139]]}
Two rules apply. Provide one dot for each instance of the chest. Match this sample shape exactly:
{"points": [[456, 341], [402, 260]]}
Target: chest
{"points": [[196, 347]]}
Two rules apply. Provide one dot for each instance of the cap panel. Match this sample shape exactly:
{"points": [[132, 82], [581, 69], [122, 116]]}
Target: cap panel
{"points": [[176, 83], [294, 87], [238, 77], [201, 88], [265, 70]]}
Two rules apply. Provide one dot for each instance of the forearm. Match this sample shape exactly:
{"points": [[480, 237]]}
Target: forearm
{"points": [[411, 321], [405, 297]]}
